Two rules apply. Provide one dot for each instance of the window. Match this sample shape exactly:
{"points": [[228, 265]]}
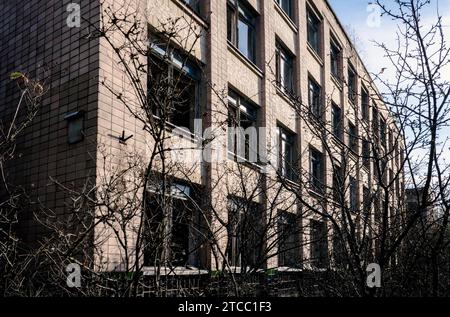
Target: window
{"points": [[391, 141], [314, 35], [365, 104], [337, 184], [339, 253], [366, 153], [288, 240], [317, 170], [384, 171], [75, 127], [402, 159], [287, 158], [397, 186], [242, 129], [287, 6], [352, 84], [353, 194], [367, 203], [241, 24], [375, 123], [314, 98], [171, 238], [376, 208], [383, 132], [352, 137], [336, 114], [284, 69], [335, 56], [319, 244], [193, 4], [244, 232], [169, 71]]}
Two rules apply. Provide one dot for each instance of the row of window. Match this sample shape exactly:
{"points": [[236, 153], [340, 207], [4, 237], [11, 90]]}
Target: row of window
{"points": [[243, 116], [242, 33], [177, 242], [176, 229], [243, 136]]}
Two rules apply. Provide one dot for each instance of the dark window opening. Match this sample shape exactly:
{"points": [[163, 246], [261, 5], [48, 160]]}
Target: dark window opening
{"points": [[335, 58], [339, 254], [337, 121], [383, 132], [338, 184], [172, 236], [288, 240], [366, 154], [319, 244], [317, 170], [352, 137], [375, 123], [287, 154], [352, 92], [367, 204], [245, 234], [365, 100], [193, 4], [287, 6], [75, 127], [315, 99], [353, 194], [314, 33]]}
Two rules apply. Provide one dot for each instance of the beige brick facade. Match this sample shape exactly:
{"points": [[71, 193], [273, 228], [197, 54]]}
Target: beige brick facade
{"points": [[43, 38]]}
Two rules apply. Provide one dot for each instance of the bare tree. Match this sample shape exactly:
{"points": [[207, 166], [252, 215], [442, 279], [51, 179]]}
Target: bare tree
{"points": [[143, 202], [419, 96], [12, 197]]}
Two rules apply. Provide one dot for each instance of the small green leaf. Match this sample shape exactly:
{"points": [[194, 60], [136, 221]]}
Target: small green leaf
{"points": [[16, 75]]}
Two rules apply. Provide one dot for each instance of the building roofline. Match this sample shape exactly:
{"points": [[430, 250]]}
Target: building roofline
{"points": [[327, 2]]}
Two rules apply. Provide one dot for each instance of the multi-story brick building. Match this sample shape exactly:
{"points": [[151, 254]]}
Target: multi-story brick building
{"points": [[285, 66]]}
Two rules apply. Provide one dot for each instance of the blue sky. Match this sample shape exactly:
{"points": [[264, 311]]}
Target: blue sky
{"points": [[354, 14]]}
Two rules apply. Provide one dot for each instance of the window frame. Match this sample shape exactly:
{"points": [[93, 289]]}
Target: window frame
{"points": [[383, 132], [367, 203], [237, 233], [352, 84], [375, 121], [337, 124], [353, 143], [335, 61], [315, 95], [195, 6], [242, 107], [284, 57], [353, 194], [338, 183], [314, 30], [317, 183], [319, 241], [176, 192], [288, 257], [287, 168], [365, 106], [366, 153], [175, 62], [290, 10], [242, 12]]}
